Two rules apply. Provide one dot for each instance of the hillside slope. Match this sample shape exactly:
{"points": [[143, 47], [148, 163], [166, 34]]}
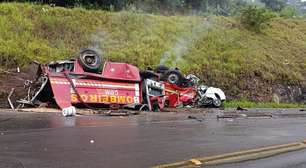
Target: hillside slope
{"points": [[247, 65]]}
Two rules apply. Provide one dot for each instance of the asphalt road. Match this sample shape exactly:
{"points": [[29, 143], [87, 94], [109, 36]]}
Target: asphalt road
{"points": [[50, 140], [288, 160]]}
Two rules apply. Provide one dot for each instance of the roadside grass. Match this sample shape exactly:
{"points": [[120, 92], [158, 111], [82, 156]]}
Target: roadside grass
{"points": [[217, 49], [248, 104]]}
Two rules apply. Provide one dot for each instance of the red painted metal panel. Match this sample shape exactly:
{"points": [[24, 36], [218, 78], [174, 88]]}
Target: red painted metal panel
{"points": [[120, 71], [106, 92], [94, 91], [176, 95], [61, 91]]}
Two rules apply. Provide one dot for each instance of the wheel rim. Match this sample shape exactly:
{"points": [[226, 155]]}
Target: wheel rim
{"points": [[90, 60], [217, 102], [172, 78]]}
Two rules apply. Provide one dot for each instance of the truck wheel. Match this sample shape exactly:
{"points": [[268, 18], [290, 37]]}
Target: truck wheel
{"points": [[174, 77], [148, 75], [161, 69], [90, 61]]}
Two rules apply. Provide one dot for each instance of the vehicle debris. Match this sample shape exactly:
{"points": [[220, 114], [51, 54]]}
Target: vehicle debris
{"points": [[9, 99], [243, 116], [121, 112], [195, 118], [69, 111], [232, 116], [186, 91], [91, 82], [241, 109]]}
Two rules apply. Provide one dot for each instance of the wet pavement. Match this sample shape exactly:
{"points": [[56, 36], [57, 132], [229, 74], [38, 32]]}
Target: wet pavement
{"points": [[50, 140], [289, 160]]}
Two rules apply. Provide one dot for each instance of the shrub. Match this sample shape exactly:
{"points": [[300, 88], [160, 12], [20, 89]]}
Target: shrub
{"points": [[288, 12], [255, 18]]}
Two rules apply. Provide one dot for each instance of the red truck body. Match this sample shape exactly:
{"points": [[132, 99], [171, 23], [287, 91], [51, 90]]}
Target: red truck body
{"points": [[176, 96], [118, 84]]}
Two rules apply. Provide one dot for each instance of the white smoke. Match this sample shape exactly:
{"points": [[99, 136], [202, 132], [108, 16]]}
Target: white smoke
{"points": [[181, 47], [164, 58], [97, 41]]}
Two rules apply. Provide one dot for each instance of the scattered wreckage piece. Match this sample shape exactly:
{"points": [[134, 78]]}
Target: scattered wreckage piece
{"points": [[9, 99], [92, 83], [40, 110], [121, 112], [235, 115], [241, 109]]}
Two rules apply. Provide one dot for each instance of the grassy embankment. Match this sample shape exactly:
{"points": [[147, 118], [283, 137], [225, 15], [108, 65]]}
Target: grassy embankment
{"points": [[218, 49], [248, 104]]}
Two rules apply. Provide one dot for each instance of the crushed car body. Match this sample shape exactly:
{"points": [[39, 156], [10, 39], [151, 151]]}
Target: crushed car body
{"points": [[183, 91]]}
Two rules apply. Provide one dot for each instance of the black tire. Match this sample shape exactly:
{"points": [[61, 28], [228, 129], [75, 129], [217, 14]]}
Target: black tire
{"points": [[148, 75], [217, 103], [90, 61], [173, 77], [161, 69]]}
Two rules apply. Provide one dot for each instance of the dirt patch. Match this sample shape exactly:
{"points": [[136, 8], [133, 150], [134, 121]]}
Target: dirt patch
{"points": [[260, 90], [11, 79]]}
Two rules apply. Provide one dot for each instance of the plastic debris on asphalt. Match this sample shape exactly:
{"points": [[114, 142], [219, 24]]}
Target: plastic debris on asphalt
{"points": [[69, 111], [230, 120]]}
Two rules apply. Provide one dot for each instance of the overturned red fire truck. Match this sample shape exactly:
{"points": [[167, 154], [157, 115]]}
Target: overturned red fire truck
{"points": [[89, 81]]}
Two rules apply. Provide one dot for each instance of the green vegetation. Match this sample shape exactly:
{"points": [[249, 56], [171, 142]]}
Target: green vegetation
{"points": [[254, 18], [289, 12], [167, 7], [218, 49], [248, 104], [174, 7]]}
